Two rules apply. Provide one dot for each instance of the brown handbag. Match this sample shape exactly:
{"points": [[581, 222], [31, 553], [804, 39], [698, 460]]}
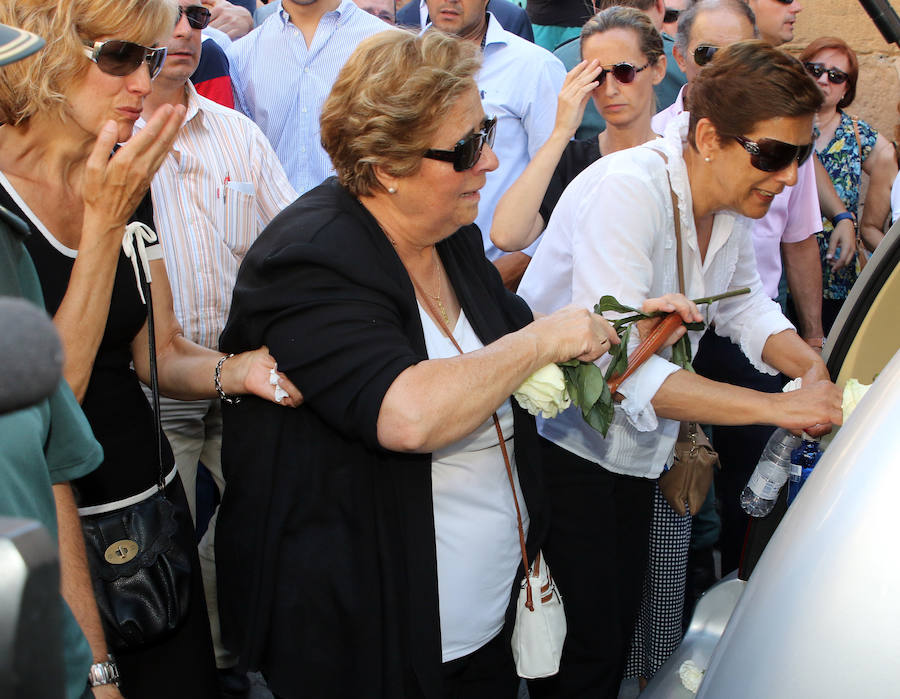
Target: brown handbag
{"points": [[686, 483]]}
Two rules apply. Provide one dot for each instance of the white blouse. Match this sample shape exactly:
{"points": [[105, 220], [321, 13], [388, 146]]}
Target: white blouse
{"points": [[613, 232], [475, 526]]}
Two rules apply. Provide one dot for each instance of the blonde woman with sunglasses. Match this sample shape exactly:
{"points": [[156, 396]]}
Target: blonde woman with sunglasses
{"points": [[64, 110]]}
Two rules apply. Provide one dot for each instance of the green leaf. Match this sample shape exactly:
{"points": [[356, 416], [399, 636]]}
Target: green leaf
{"points": [[619, 355], [571, 362], [610, 303], [590, 385], [681, 353], [570, 371], [601, 414], [696, 326]]}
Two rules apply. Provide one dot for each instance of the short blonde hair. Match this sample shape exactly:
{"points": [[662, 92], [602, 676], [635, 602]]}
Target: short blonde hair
{"points": [[38, 84], [388, 103]]}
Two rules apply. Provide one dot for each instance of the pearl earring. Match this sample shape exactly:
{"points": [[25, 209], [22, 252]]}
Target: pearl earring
{"points": [[707, 159], [391, 190]]}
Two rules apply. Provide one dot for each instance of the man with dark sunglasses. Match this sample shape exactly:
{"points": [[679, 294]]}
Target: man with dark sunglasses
{"points": [[212, 196], [519, 82]]}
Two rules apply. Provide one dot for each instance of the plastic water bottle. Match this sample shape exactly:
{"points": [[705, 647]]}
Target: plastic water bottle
{"points": [[803, 460], [771, 473]]}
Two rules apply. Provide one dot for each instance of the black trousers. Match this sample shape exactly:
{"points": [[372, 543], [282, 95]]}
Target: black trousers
{"points": [[487, 673], [719, 359], [597, 552]]}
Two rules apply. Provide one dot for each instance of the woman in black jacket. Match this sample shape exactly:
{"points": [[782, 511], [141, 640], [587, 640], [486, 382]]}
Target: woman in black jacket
{"points": [[368, 540]]}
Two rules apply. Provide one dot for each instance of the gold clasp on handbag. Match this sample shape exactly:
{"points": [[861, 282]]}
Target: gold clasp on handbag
{"points": [[121, 551]]}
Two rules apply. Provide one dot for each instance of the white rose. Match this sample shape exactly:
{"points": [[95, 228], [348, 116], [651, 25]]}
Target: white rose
{"points": [[690, 675], [853, 393], [544, 392]]}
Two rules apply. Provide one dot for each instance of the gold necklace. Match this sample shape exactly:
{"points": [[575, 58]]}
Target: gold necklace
{"points": [[437, 273], [437, 296]]}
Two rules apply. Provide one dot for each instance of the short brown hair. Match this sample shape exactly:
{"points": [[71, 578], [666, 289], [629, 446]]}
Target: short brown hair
{"points": [[38, 83], [388, 101], [832, 42], [617, 17], [749, 82]]}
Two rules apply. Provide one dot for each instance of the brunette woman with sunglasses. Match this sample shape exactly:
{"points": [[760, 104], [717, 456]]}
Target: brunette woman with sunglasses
{"points": [[64, 110], [373, 531], [623, 61], [614, 231], [847, 147]]}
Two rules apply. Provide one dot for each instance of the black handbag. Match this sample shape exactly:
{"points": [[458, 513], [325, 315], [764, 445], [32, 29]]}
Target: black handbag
{"points": [[140, 572]]}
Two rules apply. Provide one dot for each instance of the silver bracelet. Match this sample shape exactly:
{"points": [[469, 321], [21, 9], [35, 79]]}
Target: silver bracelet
{"points": [[103, 673], [224, 396]]}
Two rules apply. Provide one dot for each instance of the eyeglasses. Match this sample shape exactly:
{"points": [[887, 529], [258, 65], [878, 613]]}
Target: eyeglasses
{"points": [[197, 15], [624, 73], [467, 151], [835, 76], [671, 15], [122, 58], [704, 53], [770, 155]]}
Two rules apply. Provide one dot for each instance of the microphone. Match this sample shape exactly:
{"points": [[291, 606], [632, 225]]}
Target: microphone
{"points": [[885, 19], [31, 355]]}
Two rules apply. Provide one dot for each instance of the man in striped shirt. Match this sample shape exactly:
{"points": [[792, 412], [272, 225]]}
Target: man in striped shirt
{"points": [[283, 70], [216, 190]]}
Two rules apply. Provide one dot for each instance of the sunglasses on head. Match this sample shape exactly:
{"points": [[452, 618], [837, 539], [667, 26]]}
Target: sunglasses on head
{"points": [[770, 155], [197, 15], [624, 73], [704, 53], [671, 15], [467, 151], [835, 76], [122, 58]]}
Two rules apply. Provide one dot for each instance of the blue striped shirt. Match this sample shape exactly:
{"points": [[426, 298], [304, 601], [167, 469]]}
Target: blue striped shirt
{"points": [[281, 84]]}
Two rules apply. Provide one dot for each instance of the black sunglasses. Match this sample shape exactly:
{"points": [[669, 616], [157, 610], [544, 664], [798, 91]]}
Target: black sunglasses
{"points": [[770, 155], [704, 53], [467, 151], [835, 76], [198, 16], [671, 15], [122, 58], [623, 73]]}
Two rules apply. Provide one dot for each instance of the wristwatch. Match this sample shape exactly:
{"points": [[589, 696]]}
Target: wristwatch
{"points": [[103, 673]]}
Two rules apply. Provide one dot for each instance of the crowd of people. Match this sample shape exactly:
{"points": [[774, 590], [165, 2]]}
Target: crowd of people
{"points": [[323, 251]]}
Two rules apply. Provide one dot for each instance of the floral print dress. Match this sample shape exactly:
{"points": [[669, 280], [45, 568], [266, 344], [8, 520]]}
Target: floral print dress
{"points": [[843, 162]]}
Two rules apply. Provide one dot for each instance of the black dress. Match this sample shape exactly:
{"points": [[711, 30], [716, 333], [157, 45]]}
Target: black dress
{"points": [[325, 546], [575, 158], [122, 421]]}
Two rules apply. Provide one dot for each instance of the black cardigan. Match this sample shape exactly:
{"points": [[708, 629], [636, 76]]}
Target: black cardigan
{"points": [[325, 543]]}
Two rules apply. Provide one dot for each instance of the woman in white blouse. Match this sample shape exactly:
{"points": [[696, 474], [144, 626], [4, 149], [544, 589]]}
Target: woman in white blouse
{"points": [[613, 232]]}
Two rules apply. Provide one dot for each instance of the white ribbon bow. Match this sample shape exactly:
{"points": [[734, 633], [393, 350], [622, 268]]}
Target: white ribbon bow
{"points": [[137, 235]]}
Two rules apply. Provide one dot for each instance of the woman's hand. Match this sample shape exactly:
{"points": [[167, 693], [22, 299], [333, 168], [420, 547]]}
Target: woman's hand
{"points": [[844, 237], [813, 407], [575, 333], [113, 186], [580, 82], [669, 303], [253, 372]]}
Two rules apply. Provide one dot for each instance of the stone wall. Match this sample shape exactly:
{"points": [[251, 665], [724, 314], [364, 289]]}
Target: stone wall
{"points": [[878, 88]]}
